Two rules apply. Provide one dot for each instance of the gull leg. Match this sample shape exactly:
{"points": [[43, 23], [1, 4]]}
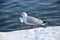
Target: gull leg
{"points": [[31, 26]]}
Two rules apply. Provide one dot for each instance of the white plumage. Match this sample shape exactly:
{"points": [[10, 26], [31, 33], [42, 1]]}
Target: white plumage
{"points": [[30, 20]]}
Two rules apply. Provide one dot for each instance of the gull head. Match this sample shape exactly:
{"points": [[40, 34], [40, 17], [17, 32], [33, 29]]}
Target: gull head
{"points": [[24, 14]]}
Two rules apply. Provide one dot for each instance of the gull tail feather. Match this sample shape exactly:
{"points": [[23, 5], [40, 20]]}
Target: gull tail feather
{"points": [[43, 24]]}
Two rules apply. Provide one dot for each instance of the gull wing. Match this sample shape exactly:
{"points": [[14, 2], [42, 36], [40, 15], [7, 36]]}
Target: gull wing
{"points": [[34, 20]]}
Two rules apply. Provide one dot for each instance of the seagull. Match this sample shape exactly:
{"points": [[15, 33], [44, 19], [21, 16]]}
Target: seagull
{"points": [[29, 20]]}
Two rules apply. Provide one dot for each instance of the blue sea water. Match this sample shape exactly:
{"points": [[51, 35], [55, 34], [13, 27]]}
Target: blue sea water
{"points": [[10, 10]]}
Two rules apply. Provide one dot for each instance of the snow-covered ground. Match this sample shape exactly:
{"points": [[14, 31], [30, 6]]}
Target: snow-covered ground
{"points": [[49, 33]]}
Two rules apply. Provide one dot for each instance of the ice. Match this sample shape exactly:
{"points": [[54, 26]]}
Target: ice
{"points": [[49, 33]]}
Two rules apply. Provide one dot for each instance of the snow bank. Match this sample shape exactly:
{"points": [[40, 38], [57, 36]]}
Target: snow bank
{"points": [[49, 33]]}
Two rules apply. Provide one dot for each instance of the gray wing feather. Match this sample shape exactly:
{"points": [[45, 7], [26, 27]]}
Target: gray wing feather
{"points": [[34, 20]]}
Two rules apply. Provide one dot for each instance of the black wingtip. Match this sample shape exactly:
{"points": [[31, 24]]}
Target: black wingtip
{"points": [[46, 22]]}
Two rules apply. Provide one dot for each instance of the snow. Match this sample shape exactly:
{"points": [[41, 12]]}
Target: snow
{"points": [[49, 33]]}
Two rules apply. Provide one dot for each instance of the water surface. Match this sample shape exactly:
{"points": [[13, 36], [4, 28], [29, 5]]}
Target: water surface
{"points": [[10, 10]]}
